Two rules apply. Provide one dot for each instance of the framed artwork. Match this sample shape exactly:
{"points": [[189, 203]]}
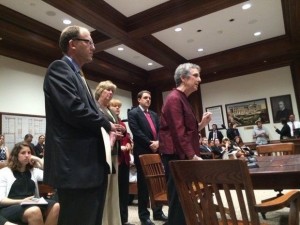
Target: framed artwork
{"points": [[281, 107], [217, 116], [248, 112]]}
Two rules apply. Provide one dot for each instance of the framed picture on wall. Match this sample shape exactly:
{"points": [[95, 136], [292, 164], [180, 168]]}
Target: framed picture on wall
{"points": [[217, 116], [281, 107], [248, 112]]}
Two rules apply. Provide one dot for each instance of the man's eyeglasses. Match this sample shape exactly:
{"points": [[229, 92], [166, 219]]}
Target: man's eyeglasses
{"points": [[91, 43]]}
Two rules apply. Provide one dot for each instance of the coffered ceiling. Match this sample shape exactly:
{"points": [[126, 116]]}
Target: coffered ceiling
{"points": [[216, 34]]}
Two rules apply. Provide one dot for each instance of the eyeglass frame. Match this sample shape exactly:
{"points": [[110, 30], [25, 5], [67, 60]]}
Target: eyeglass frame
{"points": [[90, 42]]}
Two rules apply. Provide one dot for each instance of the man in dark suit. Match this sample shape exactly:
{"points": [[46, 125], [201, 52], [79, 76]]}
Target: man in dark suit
{"points": [[75, 160], [204, 148], [40, 147], [145, 139], [215, 134]]}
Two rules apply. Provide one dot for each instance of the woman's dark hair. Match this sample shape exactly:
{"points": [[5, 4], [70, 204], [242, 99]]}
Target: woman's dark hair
{"points": [[13, 162]]}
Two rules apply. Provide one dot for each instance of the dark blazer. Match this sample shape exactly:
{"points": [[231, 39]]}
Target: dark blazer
{"points": [[75, 155], [39, 150], [141, 130], [285, 131], [232, 133], [205, 149], [219, 136]]}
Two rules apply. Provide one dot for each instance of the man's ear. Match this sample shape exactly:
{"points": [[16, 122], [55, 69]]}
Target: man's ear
{"points": [[72, 45]]}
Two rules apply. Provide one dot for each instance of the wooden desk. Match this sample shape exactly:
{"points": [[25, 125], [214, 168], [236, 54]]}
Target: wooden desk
{"points": [[276, 172], [296, 142]]}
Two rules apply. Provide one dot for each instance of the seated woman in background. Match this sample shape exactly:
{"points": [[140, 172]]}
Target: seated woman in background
{"points": [[217, 149], [18, 184], [231, 151], [241, 148], [4, 153], [285, 131]]}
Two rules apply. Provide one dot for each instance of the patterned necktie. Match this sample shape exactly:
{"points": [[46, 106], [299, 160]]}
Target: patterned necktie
{"points": [[84, 81], [148, 117]]}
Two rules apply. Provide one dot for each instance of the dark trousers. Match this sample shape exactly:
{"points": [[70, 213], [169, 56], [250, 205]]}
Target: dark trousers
{"points": [[123, 175], [81, 206], [143, 196], [175, 214]]}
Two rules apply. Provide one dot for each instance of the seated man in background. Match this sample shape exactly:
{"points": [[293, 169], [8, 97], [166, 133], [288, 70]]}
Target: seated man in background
{"points": [[204, 148], [40, 147], [260, 134]]}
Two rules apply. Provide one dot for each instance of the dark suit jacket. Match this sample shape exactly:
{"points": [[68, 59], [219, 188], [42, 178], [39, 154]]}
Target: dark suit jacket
{"points": [[141, 131], [75, 155], [284, 132], [219, 136], [204, 149], [178, 127]]}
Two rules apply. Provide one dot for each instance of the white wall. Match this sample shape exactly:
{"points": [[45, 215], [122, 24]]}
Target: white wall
{"points": [[260, 85], [264, 84], [21, 89]]}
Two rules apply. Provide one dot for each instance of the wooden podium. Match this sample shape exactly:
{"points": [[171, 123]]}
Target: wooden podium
{"points": [[296, 142]]}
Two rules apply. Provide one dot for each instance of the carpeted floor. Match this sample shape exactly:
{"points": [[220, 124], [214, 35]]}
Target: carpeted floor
{"points": [[279, 217]]}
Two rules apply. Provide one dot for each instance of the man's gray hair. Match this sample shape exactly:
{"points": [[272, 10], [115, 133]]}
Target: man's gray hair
{"points": [[183, 70]]}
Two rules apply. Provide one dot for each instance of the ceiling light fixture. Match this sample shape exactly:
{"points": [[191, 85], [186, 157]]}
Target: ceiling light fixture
{"points": [[200, 50], [150, 64], [246, 6], [67, 21], [257, 33], [178, 29], [120, 49]]}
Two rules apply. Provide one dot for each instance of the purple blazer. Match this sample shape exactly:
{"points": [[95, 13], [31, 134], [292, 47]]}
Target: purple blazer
{"points": [[178, 132]]}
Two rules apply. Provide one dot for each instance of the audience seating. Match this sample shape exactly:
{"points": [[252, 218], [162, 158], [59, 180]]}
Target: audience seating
{"points": [[206, 187], [276, 149], [155, 178]]}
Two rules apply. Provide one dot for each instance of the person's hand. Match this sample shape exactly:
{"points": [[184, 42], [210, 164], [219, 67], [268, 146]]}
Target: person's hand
{"points": [[154, 146], [112, 127], [119, 135], [28, 198], [206, 118], [120, 128], [36, 162], [195, 157]]}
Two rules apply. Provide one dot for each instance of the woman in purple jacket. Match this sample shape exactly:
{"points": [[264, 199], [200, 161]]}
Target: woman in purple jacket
{"points": [[179, 128]]}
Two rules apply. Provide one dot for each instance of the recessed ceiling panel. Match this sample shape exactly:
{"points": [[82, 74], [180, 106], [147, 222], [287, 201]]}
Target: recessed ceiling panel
{"points": [[133, 57], [43, 12], [132, 7], [225, 29]]}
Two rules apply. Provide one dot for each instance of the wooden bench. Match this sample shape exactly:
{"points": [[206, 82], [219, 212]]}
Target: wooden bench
{"points": [[276, 149]]}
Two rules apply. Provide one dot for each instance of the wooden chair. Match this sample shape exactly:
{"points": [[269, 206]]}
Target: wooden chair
{"points": [[45, 190], [155, 178], [276, 149], [206, 187], [210, 155]]}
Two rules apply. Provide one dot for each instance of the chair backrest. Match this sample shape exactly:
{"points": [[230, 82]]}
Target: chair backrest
{"points": [[210, 190], [276, 149], [155, 178]]}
